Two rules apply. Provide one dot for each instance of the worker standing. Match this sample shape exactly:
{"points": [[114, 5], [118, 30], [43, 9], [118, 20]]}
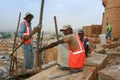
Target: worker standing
{"points": [[108, 33], [84, 39], [24, 30], [75, 47]]}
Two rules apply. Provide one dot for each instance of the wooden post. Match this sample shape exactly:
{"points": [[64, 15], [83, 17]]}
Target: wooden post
{"points": [[56, 28], [38, 35], [41, 38], [14, 45], [41, 55]]}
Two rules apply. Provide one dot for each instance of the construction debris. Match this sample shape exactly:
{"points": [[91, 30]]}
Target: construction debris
{"points": [[110, 73]]}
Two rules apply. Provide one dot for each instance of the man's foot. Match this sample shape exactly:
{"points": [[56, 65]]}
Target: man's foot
{"points": [[76, 70], [63, 68]]}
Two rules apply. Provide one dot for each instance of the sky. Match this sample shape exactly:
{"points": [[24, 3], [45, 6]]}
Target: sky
{"points": [[77, 13]]}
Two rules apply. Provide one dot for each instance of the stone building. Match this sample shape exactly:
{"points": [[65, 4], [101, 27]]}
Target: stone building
{"points": [[111, 15]]}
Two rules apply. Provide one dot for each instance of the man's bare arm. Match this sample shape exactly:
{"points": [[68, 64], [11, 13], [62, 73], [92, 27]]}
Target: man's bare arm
{"points": [[51, 45]]}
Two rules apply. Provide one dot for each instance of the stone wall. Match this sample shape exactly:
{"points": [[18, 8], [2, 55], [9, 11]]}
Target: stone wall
{"points": [[111, 15], [92, 30]]}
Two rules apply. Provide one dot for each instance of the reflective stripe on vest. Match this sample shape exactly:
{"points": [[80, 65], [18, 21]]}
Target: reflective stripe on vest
{"points": [[78, 52], [27, 32], [80, 49]]}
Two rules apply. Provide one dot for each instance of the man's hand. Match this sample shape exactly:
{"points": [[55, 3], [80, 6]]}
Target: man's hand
{"points": [[41, 49], [36, 29], [24, 38]]}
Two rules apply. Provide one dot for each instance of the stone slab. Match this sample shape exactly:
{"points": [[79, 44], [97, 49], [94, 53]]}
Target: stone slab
{"points": [[96, 60], [88, 73], [110, 73]]}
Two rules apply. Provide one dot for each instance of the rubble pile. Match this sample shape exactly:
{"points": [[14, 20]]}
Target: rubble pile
{"points": [[5, 51]]}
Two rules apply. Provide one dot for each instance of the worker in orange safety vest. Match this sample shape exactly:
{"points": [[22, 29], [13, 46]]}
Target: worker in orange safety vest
{"points": [[85, 40], [24, 30], [76, 50], [76, 58]]}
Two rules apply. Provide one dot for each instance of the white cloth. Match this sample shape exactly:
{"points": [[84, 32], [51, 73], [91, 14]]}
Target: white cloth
{"points": [[63, 55]]}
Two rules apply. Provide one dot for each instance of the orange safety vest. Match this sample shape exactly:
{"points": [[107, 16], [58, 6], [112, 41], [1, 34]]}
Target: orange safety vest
{"points": [[26, 33], [76, 59]]}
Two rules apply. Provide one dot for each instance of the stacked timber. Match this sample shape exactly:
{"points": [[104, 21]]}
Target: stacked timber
{"points": [[92, 30], [111, 15]]}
